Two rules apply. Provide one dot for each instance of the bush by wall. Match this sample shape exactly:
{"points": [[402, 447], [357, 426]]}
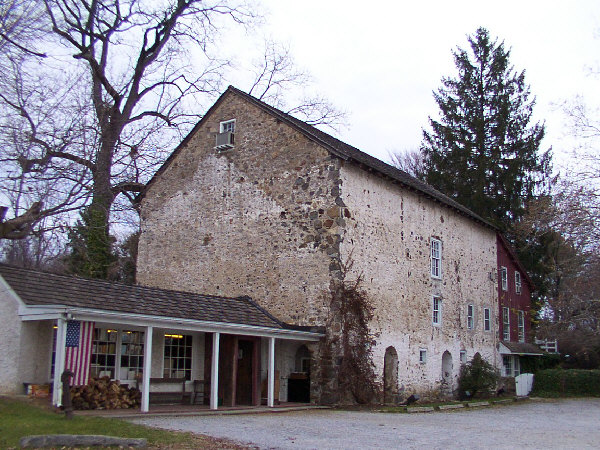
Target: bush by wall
{"points": [[477, 377], [566, 382]]}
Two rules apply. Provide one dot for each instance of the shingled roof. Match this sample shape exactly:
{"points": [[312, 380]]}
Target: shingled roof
{"points": [[337, 148], [522, 348], [37, 288]]}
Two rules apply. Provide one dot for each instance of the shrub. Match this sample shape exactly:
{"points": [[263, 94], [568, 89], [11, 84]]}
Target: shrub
{"points": [[477, 376], [567, 382], [533, 364]]}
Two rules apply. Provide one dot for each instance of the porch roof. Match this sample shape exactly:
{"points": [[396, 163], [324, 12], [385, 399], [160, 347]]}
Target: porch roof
{"points": [[43, 292], [520, 348]]}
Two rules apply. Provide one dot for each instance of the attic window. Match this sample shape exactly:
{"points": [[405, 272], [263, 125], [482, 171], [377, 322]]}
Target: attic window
{"points": [[225, 137], [227, 126]]}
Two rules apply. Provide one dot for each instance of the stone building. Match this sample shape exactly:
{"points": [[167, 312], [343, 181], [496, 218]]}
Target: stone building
{"points": [[255, 202]]}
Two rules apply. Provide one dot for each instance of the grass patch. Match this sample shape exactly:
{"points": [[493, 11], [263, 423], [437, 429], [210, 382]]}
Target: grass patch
{"points": [[23, 417]]}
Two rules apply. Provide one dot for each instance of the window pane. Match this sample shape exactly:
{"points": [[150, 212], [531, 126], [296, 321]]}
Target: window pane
{"points": [[178, 356]]}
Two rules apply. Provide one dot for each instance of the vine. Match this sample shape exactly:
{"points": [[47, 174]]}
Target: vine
{"points": [[350, 340]]}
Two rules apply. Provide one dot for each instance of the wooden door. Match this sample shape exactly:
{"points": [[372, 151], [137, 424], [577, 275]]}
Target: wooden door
{"points": [[244, 379]]}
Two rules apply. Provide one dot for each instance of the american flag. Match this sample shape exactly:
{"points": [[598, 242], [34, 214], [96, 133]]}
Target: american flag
{"points": [[79, 350]]}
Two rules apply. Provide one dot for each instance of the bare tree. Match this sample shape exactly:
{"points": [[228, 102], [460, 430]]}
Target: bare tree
{"points": [[566, 225], [21, 23], [116, 100], [275, 73], [410, 161], [37, 124], [95, 101], [584, 125]]}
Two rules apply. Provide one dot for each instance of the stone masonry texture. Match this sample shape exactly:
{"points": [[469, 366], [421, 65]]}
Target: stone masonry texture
{"points": [[277, 216]]}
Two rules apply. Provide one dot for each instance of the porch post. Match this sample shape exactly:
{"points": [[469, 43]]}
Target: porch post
{"points": [[214, 372], [271, 374], [147, 370], [59, 360]]}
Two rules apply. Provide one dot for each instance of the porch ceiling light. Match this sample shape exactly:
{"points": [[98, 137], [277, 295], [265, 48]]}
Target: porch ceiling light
{"points": [[176, 336]]}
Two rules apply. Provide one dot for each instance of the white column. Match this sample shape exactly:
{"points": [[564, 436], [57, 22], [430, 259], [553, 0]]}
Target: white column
{"points": [[214, 372], [271, 374], [147, 370], [59, 361]]}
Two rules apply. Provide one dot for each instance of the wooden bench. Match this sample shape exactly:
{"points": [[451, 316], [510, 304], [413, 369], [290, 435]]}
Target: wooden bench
{"points": [[168, 390], [200, 392]]}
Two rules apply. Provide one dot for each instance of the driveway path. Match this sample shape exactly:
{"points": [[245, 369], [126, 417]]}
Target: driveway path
{"points": [[542, 424]]}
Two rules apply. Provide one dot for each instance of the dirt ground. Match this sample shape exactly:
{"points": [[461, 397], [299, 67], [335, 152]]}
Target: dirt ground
{"points": [[543, 424]]}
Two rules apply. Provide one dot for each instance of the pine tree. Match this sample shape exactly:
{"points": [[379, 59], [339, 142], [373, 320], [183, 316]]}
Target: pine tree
{"points": [[91, 250], [483, 152]]}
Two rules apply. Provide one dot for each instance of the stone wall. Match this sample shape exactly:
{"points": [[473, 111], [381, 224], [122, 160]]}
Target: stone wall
{"points": [[387, 237], [260, 219], [277, 215]]}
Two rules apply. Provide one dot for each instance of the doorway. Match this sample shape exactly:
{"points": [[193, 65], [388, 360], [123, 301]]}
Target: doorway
{"points": [[244, 384], [299, 381], [447, 370], [390, 375]]}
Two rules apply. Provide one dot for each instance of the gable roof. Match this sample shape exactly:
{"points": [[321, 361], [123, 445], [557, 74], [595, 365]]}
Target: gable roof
{"points": [[334, 146], [37, 288]]}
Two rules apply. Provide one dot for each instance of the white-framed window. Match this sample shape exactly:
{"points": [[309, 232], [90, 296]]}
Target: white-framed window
{"points": [[436, 317], [487, 319], [517, 282], [505, 324], [118, 354], [436, 258], [504, 278], [470, 316], [521, 325], [511, 366], [227, 125], [178, 356], [463, 356], [507, 365], [422, 356]]}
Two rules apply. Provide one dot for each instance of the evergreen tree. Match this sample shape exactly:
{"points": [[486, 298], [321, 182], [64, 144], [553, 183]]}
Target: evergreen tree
{"points": [[91, 253], [483, 152]]}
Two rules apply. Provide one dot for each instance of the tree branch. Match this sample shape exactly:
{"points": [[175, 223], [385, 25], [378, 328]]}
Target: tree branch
{"points": [[20, 226]]}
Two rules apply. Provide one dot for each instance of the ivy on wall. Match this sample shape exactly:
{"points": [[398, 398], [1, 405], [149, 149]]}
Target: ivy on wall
{"points": [[349, 341]]}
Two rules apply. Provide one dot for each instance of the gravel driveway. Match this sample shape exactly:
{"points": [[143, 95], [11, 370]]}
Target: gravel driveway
{"points": [[572, 423]]}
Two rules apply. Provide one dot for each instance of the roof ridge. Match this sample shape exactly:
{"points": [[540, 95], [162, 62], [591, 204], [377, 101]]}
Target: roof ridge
{"points": [[350, 152]]}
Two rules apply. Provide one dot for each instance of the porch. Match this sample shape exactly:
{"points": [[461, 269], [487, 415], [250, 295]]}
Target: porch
{"points": [[238, 352], [201, 369]]}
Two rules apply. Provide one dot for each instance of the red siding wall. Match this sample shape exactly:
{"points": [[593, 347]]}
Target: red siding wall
{"points": [[510, 298]]}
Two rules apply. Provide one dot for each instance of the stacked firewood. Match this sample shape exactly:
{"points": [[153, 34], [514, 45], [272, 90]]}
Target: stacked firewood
{"points": [[104, 393]]}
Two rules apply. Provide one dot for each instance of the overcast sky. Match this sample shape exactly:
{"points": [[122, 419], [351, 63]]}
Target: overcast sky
{"points": [[381, 61]]}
